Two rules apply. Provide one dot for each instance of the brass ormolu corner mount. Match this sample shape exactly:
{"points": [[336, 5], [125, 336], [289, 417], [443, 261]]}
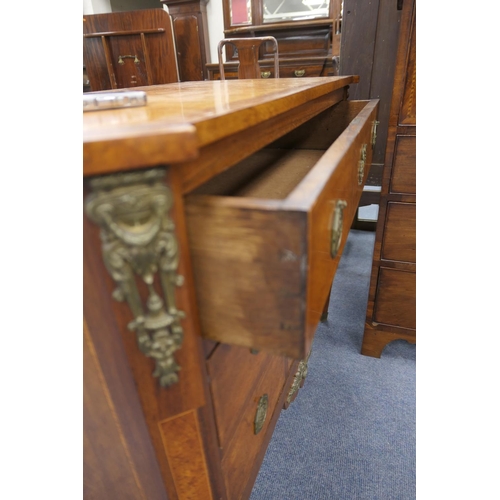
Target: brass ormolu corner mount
{"points": [[138, 241]]}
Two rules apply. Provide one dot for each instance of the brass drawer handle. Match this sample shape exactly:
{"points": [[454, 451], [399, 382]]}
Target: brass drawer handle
{"points": [[134, 57], [337, 226], [299, 378], [260, 415], [299, 72], [265, 74]]}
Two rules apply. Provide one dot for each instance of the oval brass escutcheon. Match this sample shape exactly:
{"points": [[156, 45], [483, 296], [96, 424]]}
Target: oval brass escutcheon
{"points": [[265, 74], [337, 226], [299, 72], [260, 415]]}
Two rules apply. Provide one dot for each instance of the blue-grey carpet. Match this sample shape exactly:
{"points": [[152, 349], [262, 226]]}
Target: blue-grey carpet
{"points": [[350, 433]]}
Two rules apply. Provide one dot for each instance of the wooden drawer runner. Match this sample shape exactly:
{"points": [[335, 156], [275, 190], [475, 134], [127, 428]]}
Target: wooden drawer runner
{"points": [[399, 241], [395, 303], [266, 236], [403, 178]]}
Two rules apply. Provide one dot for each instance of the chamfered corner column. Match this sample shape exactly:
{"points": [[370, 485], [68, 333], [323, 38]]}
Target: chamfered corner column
{"points": [[142, 330]]}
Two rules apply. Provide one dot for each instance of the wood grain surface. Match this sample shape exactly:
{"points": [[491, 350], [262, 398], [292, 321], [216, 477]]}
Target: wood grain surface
{"points": [[260, 233], [216, 110]]}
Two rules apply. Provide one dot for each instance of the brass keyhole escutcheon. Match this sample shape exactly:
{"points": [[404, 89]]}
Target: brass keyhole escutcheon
{"points": [[261, 413], [337, 226]]}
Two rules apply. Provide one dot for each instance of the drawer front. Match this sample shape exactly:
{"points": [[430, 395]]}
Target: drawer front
{"points": [[300, 71], [400, 242], [264, 258], [344, 187], [234, 374], [395, 302], [239, 458], [267, 71], [403, 178]]}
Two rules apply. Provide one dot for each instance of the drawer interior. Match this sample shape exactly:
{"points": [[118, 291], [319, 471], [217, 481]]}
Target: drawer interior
{"points": [[276, 170]]}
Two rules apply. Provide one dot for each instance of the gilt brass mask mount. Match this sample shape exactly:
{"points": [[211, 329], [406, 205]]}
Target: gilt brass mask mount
{"points": [[138, 243]]}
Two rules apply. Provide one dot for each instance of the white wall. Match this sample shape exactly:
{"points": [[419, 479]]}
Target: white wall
{"points": [[96, 6], [215, 19]]}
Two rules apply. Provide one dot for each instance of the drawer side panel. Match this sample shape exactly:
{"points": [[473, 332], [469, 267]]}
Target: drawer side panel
{"points": [[249, 270]]}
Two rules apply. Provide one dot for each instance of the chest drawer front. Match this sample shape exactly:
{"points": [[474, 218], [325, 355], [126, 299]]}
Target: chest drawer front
{"points": [[240, 456], [300, 71], [400, 242], [266, 236], [235, 373], [403, 179], [287, 70], [395, 299]]}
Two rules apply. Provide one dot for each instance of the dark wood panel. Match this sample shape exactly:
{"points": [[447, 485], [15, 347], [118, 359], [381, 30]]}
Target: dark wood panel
{"points": [[188, 49], [359, 27], [400, 238], [190, 26], [382, 76], [129, 49], [404, 174], [408, 113]]}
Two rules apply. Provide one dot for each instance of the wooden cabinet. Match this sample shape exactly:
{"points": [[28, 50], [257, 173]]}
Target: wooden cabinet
{"points": [[308, 42], [215, 219], [392, 299]]}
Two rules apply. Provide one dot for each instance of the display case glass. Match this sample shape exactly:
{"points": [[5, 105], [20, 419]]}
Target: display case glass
{"points": [[241, 12], [294, 10]]}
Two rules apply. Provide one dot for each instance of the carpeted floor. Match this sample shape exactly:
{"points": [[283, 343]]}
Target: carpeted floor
{"points": [[350, 433]]}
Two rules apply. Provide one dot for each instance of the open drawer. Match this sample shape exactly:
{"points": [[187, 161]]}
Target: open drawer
{"points": [[266, 235]]}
